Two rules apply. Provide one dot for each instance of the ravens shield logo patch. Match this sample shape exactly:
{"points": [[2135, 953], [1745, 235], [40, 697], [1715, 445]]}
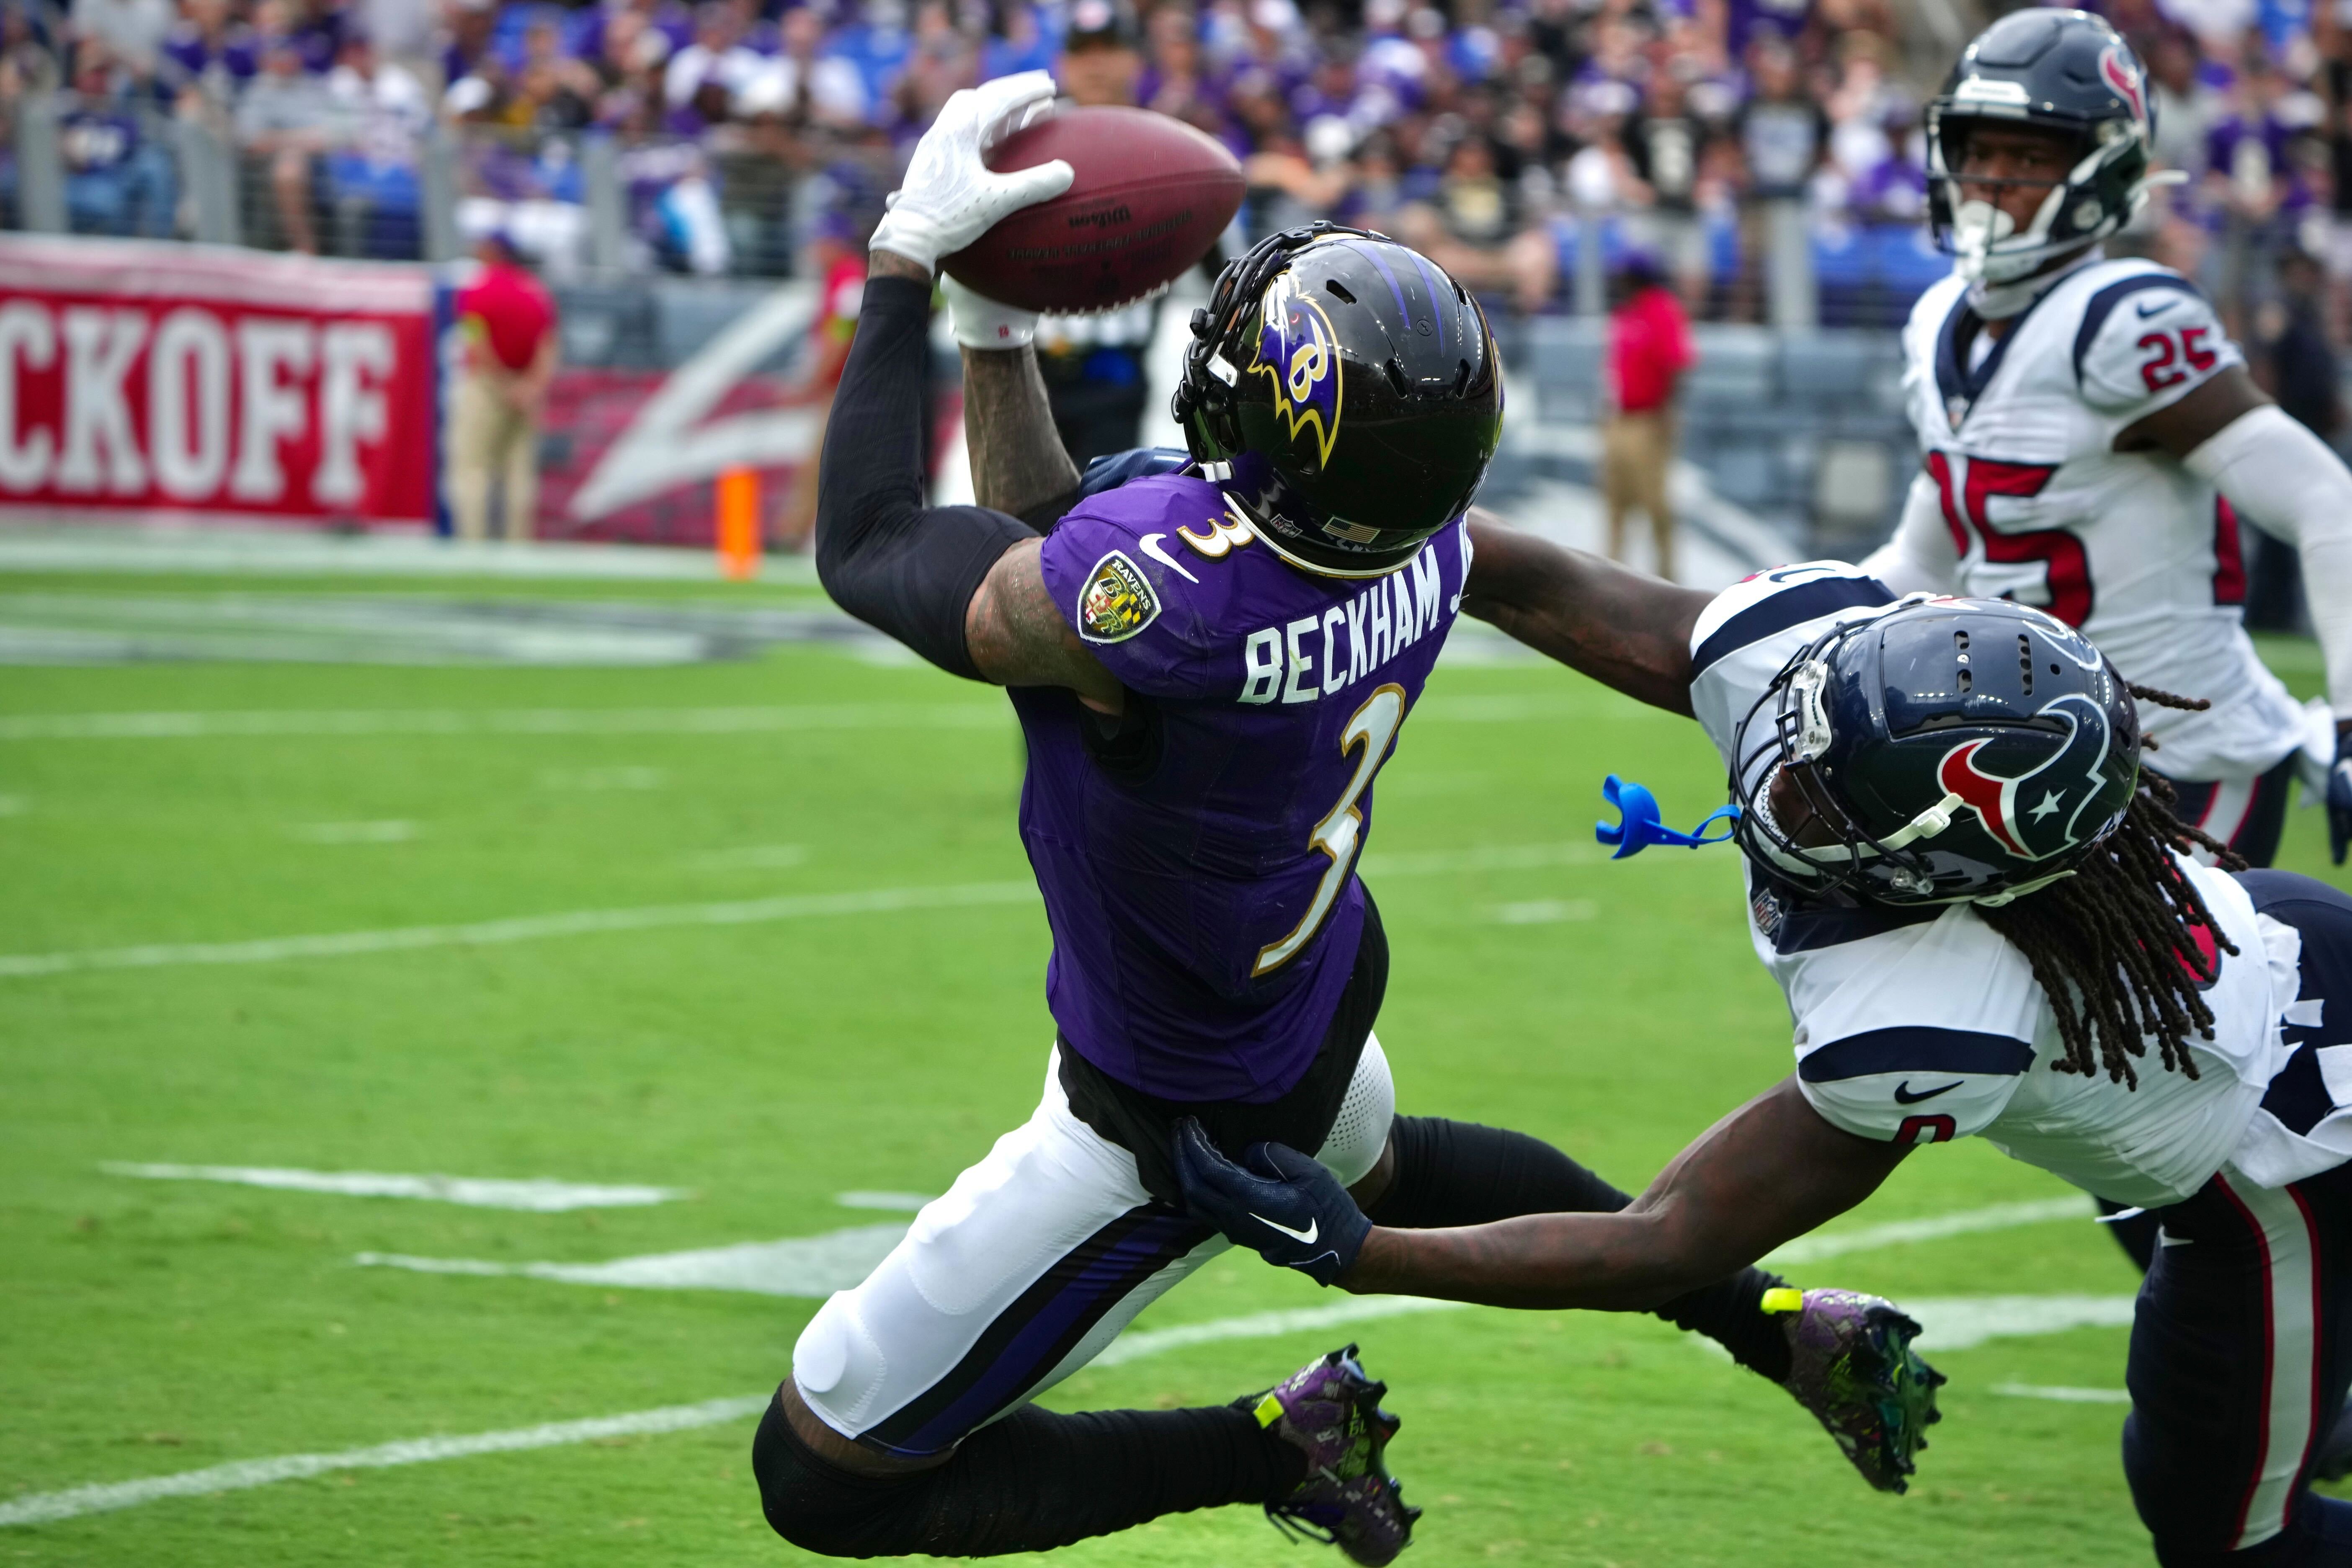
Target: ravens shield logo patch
{"points": [[1118, 601]]}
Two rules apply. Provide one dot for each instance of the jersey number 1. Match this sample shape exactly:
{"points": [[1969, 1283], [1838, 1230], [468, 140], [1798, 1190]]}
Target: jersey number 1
{"points": [[1373, 727]]}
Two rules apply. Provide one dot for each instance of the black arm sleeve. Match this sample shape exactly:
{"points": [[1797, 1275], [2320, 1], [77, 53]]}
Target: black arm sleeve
{"points": [[896, 565]]}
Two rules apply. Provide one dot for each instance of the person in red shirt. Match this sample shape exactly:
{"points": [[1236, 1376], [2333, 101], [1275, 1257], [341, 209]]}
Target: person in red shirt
{"points": [[507, 320], [836, 257], [1649, 349]]}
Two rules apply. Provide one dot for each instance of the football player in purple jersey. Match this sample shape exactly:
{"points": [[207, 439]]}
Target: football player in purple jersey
{"points": [[1208, 668]]}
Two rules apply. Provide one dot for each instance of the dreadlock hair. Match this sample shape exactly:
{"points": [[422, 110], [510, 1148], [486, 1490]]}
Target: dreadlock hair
{"points": [[2114, 946]]}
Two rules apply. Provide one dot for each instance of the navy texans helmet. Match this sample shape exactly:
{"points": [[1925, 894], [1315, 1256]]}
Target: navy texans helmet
{"points": [[1345, 394], [2065, 72], [1949, 750]]}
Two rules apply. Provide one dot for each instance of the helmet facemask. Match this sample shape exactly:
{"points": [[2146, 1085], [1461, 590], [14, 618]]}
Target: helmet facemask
{"points": [[2101, 192]]}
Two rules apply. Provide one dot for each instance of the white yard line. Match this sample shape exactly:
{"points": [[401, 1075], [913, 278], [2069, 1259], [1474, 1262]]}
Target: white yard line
{"points": [[1973, 1320], [43, 1508], [1963, 1322], [192, 724], [898, 1203], [1966, 1221], [816, 1266], [748, 912], [2061, 1395], [1134, 1344], [525, 927], [812, 1266], [540, 1196]]}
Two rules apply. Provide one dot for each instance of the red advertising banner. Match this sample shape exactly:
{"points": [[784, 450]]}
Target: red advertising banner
{"points": [[161, 381]]}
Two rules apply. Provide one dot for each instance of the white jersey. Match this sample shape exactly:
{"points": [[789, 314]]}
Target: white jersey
{"points": [[1925, 1025], [2036, 505]]}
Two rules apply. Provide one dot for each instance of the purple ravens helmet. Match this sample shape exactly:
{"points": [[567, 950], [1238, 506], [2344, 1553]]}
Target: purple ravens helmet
{"points": [[1346, 395], [1947, 750]]}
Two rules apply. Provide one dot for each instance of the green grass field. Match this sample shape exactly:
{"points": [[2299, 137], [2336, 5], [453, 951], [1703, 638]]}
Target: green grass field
{"points": [[769, 1054]]}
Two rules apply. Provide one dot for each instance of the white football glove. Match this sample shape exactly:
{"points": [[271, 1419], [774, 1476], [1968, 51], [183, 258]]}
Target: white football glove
{"points": [[982, 322], [950, 197]]}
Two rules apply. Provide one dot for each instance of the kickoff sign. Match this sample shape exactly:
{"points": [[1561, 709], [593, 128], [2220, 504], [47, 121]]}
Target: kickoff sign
{"points": [[148, 381]]}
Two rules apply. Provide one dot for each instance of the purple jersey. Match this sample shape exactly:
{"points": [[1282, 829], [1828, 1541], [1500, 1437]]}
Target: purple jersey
{"points": [[1204, 904]]}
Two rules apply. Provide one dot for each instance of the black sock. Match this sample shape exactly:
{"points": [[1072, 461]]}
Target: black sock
{"points": [[1452, 1174], [1031, 1482]]}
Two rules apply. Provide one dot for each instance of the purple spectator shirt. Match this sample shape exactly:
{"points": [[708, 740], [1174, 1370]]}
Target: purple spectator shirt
{"points": [[188, 56], [1206, 912], [2267, 142]]}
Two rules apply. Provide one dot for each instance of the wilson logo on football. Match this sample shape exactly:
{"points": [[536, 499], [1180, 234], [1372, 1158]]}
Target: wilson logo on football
{"points": [[2038, 814]]}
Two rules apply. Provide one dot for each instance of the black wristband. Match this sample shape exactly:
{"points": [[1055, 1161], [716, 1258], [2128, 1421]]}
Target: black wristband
{"points": [[898, 566]]}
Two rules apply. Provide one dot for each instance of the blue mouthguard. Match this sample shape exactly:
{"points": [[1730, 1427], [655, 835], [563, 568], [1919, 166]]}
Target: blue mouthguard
{"points": [[1641, 828]]}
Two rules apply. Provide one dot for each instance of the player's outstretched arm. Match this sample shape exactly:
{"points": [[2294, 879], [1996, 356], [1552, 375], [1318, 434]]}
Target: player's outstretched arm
{"points": [[1623, 627], [958, 584], [1018, 462], [2287, 481], [1767, 1174]]}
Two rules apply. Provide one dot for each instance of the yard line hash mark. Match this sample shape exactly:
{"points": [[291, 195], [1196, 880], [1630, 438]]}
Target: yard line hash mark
{"points": [[540, 1195], [746, 912]]}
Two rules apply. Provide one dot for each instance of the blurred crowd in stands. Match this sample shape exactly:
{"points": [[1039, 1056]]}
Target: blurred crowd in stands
{"points": [[741, 133]]}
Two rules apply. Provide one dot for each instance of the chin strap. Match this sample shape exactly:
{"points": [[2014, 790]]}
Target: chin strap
{"points": [[2001, 301]]}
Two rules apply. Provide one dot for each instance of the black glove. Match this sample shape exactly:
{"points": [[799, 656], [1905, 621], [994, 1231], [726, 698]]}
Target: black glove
{"points": [[2339, 796], [1292, 1211]]}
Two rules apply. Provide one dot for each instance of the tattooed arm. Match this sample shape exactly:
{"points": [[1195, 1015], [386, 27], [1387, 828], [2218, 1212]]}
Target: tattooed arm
{"points": [[1622, 627], [1018, 638], [1767, 1173], [1018, 464], [960, 585]]}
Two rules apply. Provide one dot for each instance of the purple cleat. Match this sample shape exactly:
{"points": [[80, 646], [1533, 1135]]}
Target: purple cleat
{"points": [[1331, 1411], [1851, 1363]]}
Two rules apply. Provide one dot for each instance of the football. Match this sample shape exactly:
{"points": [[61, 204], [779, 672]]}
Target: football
{"points": [[1150, 197]]}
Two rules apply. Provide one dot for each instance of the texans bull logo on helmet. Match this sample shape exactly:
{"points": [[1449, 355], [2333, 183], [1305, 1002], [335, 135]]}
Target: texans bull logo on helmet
{"points": [[2038, 814], [2121, 72], [1296, 348]]}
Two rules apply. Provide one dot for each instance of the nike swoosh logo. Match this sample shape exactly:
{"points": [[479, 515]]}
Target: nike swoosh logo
{"points": [[1903, 1095], [1314, 1228], [1149, 544], [2147, 311], [2166, 1238]]}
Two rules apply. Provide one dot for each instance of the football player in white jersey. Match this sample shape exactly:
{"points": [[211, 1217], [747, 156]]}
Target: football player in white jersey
{"points": [[1986, 921], [2092, 437]]}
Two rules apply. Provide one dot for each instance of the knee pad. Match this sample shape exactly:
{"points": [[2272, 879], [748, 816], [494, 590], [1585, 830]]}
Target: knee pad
{"points": [[1361, 1131], [816, 1506]]}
